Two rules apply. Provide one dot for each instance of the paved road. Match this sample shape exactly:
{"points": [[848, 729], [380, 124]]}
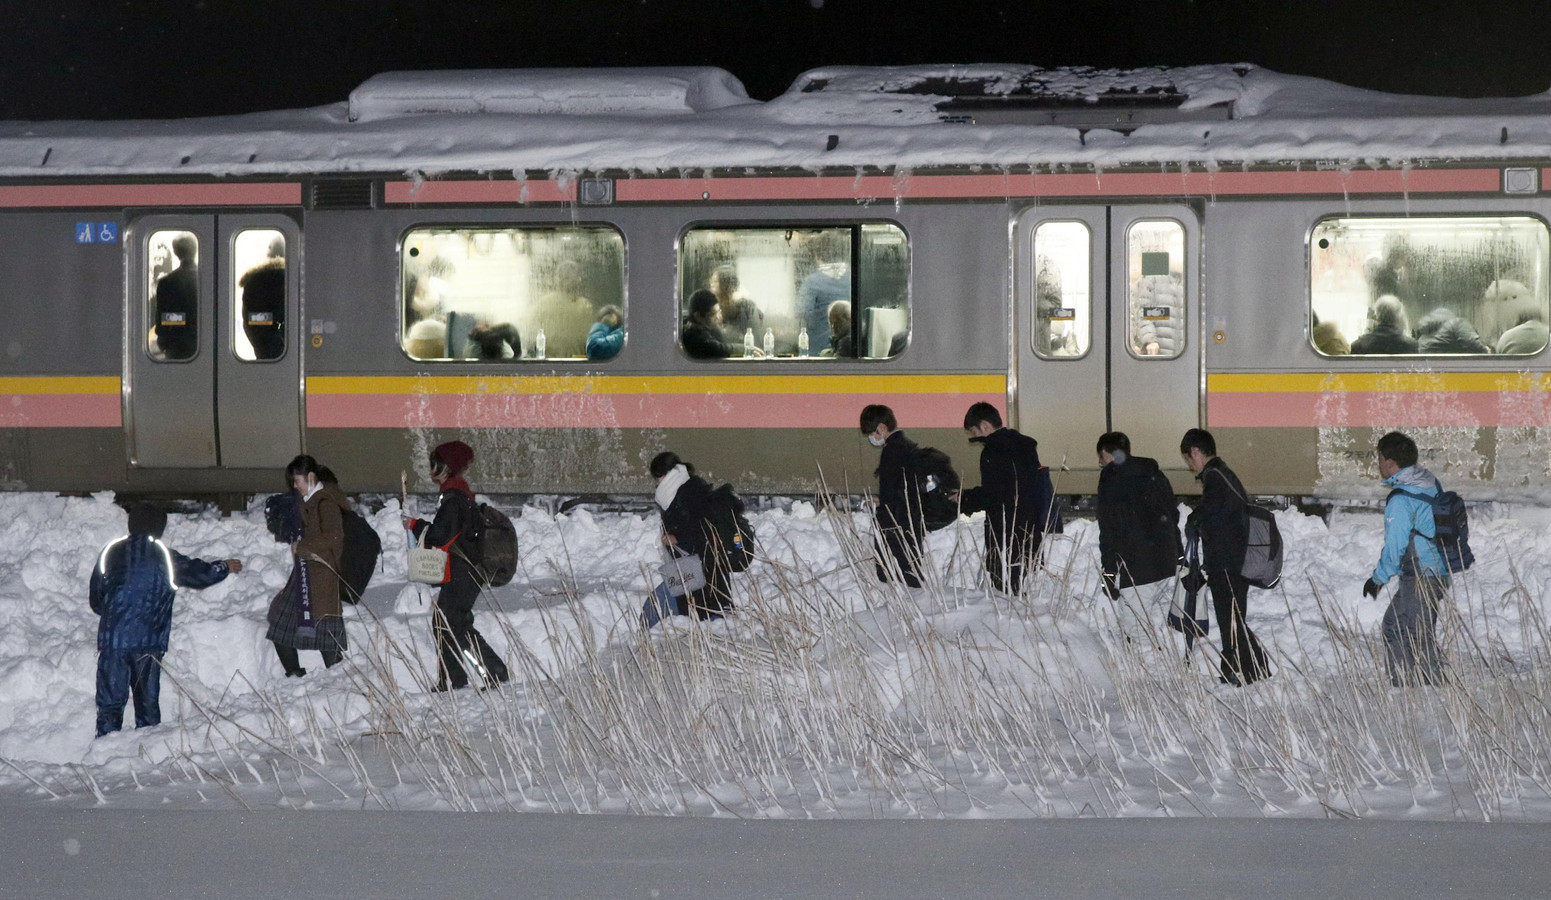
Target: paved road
{"points": [[48, 853]]}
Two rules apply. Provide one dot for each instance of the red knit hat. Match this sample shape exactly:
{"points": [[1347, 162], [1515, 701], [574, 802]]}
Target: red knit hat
{"points": [[455, 455]]}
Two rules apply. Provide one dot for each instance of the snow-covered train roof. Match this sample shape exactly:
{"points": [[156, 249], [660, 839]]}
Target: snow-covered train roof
{"points": [[652, 120]]}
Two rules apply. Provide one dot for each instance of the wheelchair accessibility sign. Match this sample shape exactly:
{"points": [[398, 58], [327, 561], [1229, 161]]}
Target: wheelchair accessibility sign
{"points": [[96, 232]]}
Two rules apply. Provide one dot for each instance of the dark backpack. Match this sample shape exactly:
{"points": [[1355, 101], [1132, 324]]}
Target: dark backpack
{"points": [[359, 559], [283, 517], [937, 479], [1161, 510], [1451, 526], [497, 545], [733, 531], [1048, 503]]}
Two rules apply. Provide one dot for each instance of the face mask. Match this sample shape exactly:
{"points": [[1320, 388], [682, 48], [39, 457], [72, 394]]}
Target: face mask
{"points": [[876, 441]]}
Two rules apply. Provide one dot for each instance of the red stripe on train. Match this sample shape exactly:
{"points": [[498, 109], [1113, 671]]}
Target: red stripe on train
{"points": [[61, 411], [632, 410], [1381, 409], [479, 192], [110, 195]]}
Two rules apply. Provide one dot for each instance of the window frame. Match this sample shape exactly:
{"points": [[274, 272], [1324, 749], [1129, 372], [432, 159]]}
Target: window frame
{"points": [[1184, 289], [1033, 289], [679, 298], [150, 297], [495, 226]]}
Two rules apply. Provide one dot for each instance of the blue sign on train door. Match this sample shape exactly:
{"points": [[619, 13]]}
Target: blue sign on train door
{"points": [[107, 232], [86, 232]]}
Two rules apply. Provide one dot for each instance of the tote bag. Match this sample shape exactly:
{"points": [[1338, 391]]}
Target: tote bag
{"points": [[430, 565]]}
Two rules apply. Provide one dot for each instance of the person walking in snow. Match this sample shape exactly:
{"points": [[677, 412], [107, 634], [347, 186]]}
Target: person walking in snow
{"points": [[1221, 525], [900, 526], [307, 613], [1138, 521], [1410, 646], [1016, 508], [687, 508], [132, 588], [457, 528]]}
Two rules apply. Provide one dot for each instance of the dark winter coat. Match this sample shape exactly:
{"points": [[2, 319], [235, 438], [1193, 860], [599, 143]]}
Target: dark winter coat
{"points": [[457, 516], [1384, 339], [1138, 522], [321, 547], [688, 519], [177, 312], [701, 341], [1008, 491], [899, 487], [1219, 520], [263, 307], [132, 588], [1444, 332]]}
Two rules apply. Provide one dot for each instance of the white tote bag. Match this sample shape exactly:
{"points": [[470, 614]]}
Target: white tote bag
{"points": [[429, 565], [682, 574]]}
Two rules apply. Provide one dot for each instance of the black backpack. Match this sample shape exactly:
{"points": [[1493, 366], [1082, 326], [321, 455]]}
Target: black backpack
{"points": [[283, 517], [1451, 526], [733, 531], [497, 545], [936, 479], [359, 559]]}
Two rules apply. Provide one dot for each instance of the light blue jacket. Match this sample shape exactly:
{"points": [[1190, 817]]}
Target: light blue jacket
{"points": [[604, 342], [1408, 522]]}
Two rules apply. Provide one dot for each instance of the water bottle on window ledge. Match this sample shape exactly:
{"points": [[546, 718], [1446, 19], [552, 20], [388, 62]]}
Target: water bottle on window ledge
{"points": [[769, 342], [802, 341], [748, 342], [538, 344]]}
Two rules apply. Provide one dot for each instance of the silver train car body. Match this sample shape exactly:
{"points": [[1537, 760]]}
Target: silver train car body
{"points": [[1143, 252]]}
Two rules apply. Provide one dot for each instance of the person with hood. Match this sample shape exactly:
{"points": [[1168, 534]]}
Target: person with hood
{"points": [[1441, 331], [263, 303], [308, 614], [1138, 521], [132, 588], [1009, 493], [1221, 526], [897, 514], [607, 336], [1389, 331], [456, 527], [686, 503], [1410, 645]]}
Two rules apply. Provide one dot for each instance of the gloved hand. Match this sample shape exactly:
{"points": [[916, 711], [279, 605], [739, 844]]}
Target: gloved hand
{"points": [[1371, 589], [1111, 589]]}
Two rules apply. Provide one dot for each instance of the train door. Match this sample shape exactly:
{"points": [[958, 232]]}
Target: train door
{"points": [[1107, 308], [212, 359]]}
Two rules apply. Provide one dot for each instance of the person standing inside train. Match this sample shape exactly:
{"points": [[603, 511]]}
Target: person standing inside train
{"points": [[307, 614], [462, 650], [686, 501], [132, 588], [1009, 493], [1221, 525], [897, 515], [263, 303], [177, 302]]}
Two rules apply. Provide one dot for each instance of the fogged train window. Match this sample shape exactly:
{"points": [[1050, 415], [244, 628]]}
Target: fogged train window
{"points": [[1456, 285], [1062, 260], [512, 294], [794, 292]]}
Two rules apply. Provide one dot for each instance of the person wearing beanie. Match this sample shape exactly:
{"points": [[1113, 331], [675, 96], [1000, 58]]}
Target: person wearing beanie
{"points": [[131, 590], [456, 528]]}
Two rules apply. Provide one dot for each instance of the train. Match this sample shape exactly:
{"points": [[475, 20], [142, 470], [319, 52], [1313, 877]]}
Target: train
{"points": [[191, 303]]}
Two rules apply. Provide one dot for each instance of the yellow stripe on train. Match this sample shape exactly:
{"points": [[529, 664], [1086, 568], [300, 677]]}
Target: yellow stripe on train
{"points": [[1323, 382], [656, 384]]}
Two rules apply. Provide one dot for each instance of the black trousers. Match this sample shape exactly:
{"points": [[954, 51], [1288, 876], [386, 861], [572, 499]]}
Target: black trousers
{"points": [[1008, 554], [120, 672], [459, 645], [1243, 659], [715, 598], [900, 543]]}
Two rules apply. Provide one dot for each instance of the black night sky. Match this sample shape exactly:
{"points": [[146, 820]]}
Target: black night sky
{"points": [[115, 59]]}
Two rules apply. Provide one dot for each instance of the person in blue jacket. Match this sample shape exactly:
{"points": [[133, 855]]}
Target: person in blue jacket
{"points": [[1410, 644], [607, 335], [132, 587]]}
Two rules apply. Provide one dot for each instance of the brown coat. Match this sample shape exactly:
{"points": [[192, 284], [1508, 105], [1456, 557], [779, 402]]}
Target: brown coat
{"points": [[321, 546]]}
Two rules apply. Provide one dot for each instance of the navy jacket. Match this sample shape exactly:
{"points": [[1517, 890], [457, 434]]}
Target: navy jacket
{"points": [[899, 486], [1009, 485], [132, 589], [1219, 519]]}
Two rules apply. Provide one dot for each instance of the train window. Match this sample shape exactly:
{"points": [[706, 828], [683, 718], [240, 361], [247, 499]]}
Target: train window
{"points": [[172, 295], [1062, 260], [1456, 285], [512, 294], [1155, 278], [795, 292], [258, 295]]}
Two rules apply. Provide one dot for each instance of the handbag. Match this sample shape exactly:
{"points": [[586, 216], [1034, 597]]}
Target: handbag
{"points": [[430, 565], [683, 574]]}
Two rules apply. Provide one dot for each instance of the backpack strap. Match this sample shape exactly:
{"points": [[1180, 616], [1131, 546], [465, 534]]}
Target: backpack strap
{"points": [[1416, 532]]}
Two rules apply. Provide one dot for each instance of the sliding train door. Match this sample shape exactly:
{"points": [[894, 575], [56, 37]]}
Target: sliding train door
{"points": [[1108, 299], [212, 359]]}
